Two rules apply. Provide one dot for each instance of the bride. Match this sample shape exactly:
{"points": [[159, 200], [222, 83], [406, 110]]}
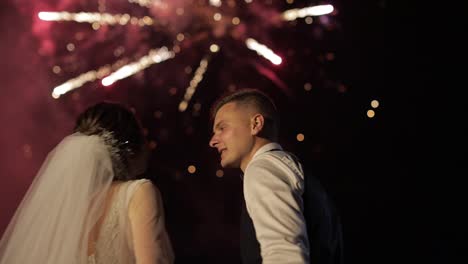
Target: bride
{"points": [[85, 205]]}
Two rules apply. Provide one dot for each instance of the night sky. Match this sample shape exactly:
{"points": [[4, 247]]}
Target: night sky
{"points": [[375, 169]]}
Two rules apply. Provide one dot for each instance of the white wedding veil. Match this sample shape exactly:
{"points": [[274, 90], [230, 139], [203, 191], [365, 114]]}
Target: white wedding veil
{"points": [[63, 203]]}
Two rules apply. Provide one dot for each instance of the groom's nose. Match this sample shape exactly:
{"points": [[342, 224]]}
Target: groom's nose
{"points": [[213, 141]]}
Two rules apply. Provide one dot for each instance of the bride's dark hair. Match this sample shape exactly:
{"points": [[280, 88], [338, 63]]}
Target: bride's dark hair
{"points": [[109, 119]]}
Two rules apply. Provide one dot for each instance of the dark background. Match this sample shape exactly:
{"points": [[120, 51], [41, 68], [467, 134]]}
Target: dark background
{"points": [[377, 170]]}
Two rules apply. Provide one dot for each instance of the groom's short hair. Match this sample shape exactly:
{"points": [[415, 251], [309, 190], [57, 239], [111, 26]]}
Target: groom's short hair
{"points": [[260, 101]]}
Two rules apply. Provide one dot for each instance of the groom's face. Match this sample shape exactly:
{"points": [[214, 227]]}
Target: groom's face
{"points": [[232, 135]]}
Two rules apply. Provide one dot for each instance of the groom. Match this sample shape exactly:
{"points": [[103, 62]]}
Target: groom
{"points": [[286, 217]]}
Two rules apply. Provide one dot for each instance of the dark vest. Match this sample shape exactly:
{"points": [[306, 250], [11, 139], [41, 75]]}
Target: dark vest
{"points": [[323, 228]]}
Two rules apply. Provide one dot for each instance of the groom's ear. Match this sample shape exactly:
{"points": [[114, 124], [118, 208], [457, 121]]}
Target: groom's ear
{"points": [[257, 122]]}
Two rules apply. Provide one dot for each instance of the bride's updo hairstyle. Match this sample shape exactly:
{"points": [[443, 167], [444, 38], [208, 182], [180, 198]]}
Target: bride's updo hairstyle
{"points": [[119, 129]]}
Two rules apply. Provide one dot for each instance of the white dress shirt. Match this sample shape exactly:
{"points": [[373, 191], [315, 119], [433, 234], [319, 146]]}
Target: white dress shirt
{"points": [[273, 187]]}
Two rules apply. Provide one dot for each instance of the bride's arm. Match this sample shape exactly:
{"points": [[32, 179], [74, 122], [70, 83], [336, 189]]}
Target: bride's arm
{"points": [[150, 239]]}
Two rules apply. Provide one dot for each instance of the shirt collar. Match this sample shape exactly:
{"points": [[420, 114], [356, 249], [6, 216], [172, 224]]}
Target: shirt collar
{"points": [[266, 148]]}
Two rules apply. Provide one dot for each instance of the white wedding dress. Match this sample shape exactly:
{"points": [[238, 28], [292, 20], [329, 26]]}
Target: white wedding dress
{"points": [[114, 228], [75, 213]]}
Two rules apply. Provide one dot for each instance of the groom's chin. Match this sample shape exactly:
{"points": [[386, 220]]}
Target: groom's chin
{"points": [[228, 165], [224, 164]]}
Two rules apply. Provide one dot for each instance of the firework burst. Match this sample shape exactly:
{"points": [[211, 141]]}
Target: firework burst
{"points": [[158, 30]]}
